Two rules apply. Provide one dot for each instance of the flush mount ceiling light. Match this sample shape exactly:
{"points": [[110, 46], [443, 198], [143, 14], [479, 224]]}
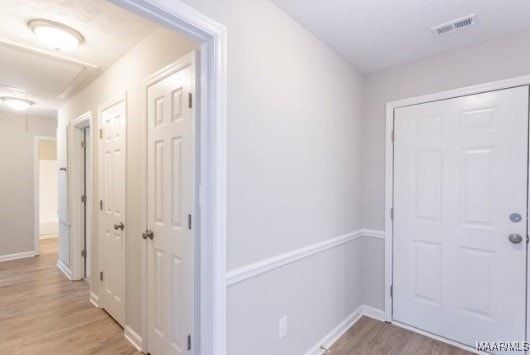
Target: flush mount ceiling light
{"points": [[55, 35], [16, 103]]}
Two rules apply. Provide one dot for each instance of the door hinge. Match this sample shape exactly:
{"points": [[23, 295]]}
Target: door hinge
{"points": [[83, 144], [101, 133], [190, 100], [189, 221], [391, 290], [83, 253], [189, 342], [101, 276], [527, 239], [101, 205], [83, 199], [392, 213]]}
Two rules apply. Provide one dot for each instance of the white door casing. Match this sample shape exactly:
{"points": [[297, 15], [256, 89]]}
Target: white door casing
{"points": [[460, 171], [113, 120], [170, 209]]}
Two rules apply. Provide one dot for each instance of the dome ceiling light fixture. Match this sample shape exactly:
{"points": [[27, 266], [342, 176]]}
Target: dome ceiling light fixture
{"points": [[55, 35], [16, 103]]}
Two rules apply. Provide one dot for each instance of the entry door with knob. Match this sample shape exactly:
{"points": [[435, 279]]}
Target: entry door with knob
{"points": [[112, 119], [170, 207], [460, 207]]}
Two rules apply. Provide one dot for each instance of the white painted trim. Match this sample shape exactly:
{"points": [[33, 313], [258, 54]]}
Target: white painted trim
{"points": [[75, 176], [377, 314], [175, 14], [372, 233], [16, 256], [47, 228], [252, 270], [389, 169], [36, 191], [94, 299], [134, 338], [439, 338], [329, 339], [49, 236], [64, 269]]}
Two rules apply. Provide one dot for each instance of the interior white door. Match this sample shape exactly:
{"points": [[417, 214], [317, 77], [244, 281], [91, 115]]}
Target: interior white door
{"points": [[460, 172], [113, 123], [170, 188]]}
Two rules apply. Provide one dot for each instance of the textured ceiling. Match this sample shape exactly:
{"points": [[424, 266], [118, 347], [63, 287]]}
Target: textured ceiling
{"points": [[375, 35], [26, 63]]}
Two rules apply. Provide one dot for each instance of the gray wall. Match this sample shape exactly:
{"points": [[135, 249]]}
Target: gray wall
{"points": [[500, 59], [16, 179], [294, 163]]}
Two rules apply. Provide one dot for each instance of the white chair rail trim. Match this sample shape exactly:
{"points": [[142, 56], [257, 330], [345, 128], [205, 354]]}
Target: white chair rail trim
{"points": [[252, 270]]}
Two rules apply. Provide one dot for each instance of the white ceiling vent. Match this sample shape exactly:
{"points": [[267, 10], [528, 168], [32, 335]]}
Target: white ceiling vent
{"points": [[454, 25]]}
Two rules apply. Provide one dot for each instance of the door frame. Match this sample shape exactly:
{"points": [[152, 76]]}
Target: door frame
{"points": [[212, 136], [36, 190], [389, 180], [75, 188]]}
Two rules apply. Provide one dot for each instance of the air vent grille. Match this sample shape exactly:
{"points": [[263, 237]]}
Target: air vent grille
{"points": [[455, 24]]}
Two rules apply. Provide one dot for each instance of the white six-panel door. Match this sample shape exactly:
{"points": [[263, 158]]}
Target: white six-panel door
{"points": [[113, 203], [170, 189], [460, 172]]}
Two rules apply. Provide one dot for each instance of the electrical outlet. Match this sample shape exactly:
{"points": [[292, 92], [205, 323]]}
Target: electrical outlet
{"points": [[282, 327]]}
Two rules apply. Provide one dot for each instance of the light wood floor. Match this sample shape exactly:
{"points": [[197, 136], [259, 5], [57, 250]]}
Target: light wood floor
{"points": [[372, 337], [42, 312]]}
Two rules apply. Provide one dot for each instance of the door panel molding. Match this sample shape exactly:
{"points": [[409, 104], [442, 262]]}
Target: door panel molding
{"points": [[114, 305], [389, 169]]}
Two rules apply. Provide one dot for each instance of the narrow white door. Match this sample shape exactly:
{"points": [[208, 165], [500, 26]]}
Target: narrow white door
{"points": [[113, 123], [170, 188], [460, 174]]}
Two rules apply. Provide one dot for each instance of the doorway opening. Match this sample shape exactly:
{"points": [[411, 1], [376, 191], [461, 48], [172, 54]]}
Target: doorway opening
{"points": [[45, 192], [81, 180], [102, 211]]}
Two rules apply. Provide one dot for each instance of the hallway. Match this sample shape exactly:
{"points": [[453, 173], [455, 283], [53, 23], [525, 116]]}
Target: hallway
{"points": [[42, 312]]}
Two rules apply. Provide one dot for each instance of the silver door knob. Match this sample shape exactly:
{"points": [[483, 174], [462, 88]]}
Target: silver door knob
{"points": [[148, 234], [515, 238], [119, 226]]}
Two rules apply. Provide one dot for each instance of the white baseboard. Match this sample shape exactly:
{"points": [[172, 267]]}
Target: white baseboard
{"points": [[48, 236], [134, 338], [49, 227], [329, 339], [374, 313], [65, 270], [26, 254], [94, 299]]}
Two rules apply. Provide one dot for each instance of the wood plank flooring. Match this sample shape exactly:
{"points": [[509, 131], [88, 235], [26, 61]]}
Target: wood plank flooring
{"points": [[42, 312], [371, 337]]}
